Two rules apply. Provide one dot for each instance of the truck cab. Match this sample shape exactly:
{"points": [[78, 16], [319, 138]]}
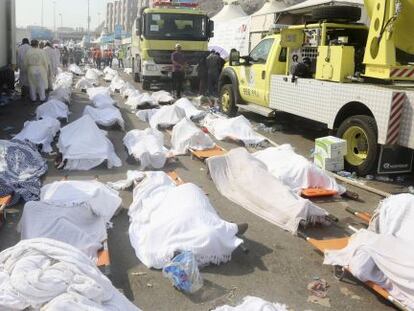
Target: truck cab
{"points": [[157, 31]]}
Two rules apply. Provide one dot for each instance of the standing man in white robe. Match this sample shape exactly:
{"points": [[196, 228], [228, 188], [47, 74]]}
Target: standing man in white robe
{"points": [[23, 78], [37, 66], [57, 56], [50, 52]]}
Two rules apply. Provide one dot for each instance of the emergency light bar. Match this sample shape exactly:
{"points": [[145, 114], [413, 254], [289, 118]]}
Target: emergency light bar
{"points": [[175, 3]]}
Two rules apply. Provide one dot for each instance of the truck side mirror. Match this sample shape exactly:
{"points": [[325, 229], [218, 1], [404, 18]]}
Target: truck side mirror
{"points": [[234, 58], [138, 27], [210, 29]]}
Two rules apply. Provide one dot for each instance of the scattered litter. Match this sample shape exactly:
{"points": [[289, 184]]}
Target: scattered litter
{"points": [[370, 177], [319, 288], [149, 285], [349, 293], [345, 174], [138, 273], [325, 302], [183, 273], [251, 303], [384, 178]]}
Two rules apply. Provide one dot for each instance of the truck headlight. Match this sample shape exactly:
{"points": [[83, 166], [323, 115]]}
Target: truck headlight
{"points": [[151, 67]]}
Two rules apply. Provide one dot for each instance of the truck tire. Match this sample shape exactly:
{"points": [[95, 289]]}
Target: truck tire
{"points": [[146, 84], [361, 135], [227, 101], [337, 13]]}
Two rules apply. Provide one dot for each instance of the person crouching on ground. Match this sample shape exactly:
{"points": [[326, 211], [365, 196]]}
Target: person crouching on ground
{"points": [[37, 66], [178, 74]]}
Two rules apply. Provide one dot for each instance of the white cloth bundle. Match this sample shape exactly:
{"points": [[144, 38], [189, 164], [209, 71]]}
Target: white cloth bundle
{"points": [[110, 74], [107, 116], [166, 218], [166, 116], [64, 80], [117, 84], [162, 97], [395, 216], [186, 135], [128, 89], [84, 146], [50, 275], [191, 112], [54, 109], [147, 147], [75, 69], [84, 84], [41, 132], [62, 94], [254, 304], [295, 171], [94, 91], [383, 259], [238, 128], [101, 101], [146, 114], [137, 101], [245, 180], [93, 75]]}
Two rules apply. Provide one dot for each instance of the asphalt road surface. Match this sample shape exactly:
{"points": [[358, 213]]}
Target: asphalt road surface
{"points": [[278, 266]]}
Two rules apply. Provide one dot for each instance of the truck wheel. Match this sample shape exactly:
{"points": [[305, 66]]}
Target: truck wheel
{"points": [[146, 85], [337, 13], [360, 132], [227, 102]]}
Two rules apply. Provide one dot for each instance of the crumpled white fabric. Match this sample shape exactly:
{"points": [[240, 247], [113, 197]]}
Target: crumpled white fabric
{"points": [[50, 275], [54, 109], [166, 116], [166, 218], [117, 84], [146, 114], [40, 132], [102, 101], [110, 74], [132, 177], [191, 112], [107, 116], [63, 80], [381, 258], [147, 147], [62, 94], [93, 75], [84, 84], [186, 135], [128, 89], [295, 171], [94, 91], [162, 97], [245, 180], [137, 101], [85, 146], [395, 216], [254, 304], [238, 128], [75, 69]]}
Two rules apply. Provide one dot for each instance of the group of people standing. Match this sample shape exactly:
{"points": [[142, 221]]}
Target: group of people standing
{"points": [[38, 64], [105, 58]]}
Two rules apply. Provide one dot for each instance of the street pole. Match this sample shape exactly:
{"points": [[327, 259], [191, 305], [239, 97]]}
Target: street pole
{"points": [[89, 24], [54, 18], [42, 14], [61, 21]]}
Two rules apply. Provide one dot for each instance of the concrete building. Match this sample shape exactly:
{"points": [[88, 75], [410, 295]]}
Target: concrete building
{"points": [[109, 17]]}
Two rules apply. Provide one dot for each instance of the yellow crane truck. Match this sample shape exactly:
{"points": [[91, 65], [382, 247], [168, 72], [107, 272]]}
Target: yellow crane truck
{"points": [[158, 28], [357, 80]]}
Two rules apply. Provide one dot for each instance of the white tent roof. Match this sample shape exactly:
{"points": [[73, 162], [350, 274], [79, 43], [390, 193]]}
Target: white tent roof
{"points": [[231, 10], [308, 5], [271, 6]]}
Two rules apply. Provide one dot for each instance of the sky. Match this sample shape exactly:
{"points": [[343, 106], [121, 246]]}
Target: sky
{"points": [[74, 12]]}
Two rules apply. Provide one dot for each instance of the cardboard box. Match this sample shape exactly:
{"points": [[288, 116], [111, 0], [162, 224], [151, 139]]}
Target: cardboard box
{"points": [[332, 165], [331, 147]]}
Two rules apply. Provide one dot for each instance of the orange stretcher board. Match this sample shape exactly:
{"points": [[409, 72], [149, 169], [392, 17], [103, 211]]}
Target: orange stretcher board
{"points": [[4, 201], [205, 154], [174, 176], [337, 244], [318, 192], [104, 261]]}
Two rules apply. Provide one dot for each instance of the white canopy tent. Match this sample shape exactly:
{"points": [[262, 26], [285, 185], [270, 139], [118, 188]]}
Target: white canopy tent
{"points": [[308, 5], [271, 7], [230, 10]]}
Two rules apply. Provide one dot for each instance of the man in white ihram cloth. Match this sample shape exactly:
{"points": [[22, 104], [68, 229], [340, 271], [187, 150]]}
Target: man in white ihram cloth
{"points": [[37, 66], [21, 54], [50, 52]]}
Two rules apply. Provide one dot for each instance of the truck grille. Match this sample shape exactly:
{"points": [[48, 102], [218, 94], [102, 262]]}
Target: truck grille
{"points": [[164, 57]]}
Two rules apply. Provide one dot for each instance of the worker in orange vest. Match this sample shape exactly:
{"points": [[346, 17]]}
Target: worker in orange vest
{"points": [[110, 57], [98, 58]]}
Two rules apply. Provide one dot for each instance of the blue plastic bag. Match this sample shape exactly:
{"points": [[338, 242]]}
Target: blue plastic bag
{"points": [[183, 272]]}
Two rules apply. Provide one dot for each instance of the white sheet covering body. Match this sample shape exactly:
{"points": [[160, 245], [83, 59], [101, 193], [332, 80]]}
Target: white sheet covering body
{"points": [[166, 218], [84, 84], [294, 170], [238, 128], [162, 97], [85, 146], [48, 275], [166, 116], [117, 84], [381, 258], [245, 180], [395, 216], [40, 132], [146, 114], [147, 146], [92, 92], [254, 304], [102, 101], [107, 116], [75, 69], [74, 212], [54, 109], [191, 112], [62, 94], [186, 135]]}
